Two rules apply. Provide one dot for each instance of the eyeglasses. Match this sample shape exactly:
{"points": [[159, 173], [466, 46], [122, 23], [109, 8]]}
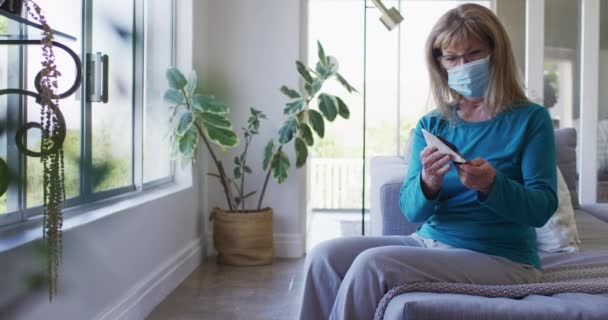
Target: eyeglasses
{"points": [[452, 60]]}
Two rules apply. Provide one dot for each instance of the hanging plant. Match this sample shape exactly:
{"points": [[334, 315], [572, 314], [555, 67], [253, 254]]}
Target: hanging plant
{"points": [[51, 150]]}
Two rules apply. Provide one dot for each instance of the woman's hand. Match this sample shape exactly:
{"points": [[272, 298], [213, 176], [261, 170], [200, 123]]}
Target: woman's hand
{"points": [[477, 175], [434, 167]]}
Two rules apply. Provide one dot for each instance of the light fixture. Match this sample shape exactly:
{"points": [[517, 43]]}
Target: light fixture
{"points": [[390, 17]]}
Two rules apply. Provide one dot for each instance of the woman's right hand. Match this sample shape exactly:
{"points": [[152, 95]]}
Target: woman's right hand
{"points": [[434, 167]]}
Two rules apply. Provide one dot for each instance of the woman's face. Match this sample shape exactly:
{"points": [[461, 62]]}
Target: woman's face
{"points": [[465, 52]]}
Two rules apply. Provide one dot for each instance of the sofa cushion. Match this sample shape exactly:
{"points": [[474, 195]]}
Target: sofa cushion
{"points": [[599, 210], [593, 232], [565, 142], [565, 306]]}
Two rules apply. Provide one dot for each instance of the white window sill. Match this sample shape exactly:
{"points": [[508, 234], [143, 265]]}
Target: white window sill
{"points": [[14, 236]]}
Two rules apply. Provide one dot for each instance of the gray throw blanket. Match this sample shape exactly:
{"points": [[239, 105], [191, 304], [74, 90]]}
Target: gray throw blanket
{"points": [[592, 279]]}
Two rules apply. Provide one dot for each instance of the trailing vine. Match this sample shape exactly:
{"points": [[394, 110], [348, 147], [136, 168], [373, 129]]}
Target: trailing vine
{"points": [[51, 151]]}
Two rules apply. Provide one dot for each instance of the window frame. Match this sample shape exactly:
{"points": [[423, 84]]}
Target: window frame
{"points": [[17, 211]]}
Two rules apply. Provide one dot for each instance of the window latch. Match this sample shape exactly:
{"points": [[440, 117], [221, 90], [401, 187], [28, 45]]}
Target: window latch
{"points": [[97, 77]]}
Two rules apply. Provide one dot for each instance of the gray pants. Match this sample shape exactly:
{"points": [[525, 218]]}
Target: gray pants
{"points": [[346, 278]]}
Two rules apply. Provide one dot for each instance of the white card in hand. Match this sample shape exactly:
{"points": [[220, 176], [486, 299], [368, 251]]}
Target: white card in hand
{"points": [[443, 146]]}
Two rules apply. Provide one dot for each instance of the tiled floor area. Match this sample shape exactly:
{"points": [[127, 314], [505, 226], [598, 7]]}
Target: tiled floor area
{"points": [[225, 292], [252, 293]]}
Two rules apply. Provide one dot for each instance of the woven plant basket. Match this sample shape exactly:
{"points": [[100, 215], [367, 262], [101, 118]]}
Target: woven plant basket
{"points": [[243, 238]]}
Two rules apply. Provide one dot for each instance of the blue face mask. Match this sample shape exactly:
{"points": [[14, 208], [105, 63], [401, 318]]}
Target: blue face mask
{"points": [[470, 79]]}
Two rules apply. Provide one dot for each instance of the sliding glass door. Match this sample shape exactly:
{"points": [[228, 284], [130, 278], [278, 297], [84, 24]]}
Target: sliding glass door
{"points": [[388, 70]]}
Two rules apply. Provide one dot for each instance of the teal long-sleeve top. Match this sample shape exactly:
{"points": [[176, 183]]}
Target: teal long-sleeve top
{"points": [[519, 144]]}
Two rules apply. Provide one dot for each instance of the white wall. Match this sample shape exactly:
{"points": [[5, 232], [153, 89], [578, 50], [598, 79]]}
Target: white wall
{"points": [[246, 50], [120, 265]]}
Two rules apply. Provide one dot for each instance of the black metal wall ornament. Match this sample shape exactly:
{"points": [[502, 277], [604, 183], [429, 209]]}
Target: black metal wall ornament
{"points": [[59, 137], [52, 126], [22, 131]]}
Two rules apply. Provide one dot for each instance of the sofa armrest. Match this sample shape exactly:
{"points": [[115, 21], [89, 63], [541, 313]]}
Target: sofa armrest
{"points": [[394, 221], [387, 175], [599, 210]]}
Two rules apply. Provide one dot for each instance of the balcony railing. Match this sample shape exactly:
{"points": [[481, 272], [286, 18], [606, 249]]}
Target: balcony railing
{"points": [[336, 183]]}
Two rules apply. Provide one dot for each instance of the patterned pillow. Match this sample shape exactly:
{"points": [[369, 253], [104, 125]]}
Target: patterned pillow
{"points": [[559, 234]]}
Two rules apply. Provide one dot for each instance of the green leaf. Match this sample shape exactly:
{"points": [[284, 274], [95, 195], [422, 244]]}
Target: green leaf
{"points": [[192, 83], [345, 84], [214, 119], [321, 52], [247, 169], [236, 161], [188, 143], [221, 136], [294, 106], [303, 71], [174, 97], [290, 93], [317, 122], [313, 88], [321, 70], [301, 152], [280, 167], [176, 78], [306, 134], [184, 123], [332, 66], [327, 105], [237, 173], [268, 150], [342, 109], [287, 131], [202, 103]]}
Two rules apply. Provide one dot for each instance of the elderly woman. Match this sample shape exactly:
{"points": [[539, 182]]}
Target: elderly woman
{"points": [[480, 216]]}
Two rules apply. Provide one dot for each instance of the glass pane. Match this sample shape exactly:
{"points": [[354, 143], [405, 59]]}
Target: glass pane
{"points": [[562, 56], [157, 163], [602, 139], [112, 132], [382, 80], [335, 163], [3, 105], [64, 16], [562, 63], [9, 116], [415, 96]]}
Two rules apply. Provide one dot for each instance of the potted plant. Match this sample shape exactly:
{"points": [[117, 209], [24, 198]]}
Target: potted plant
{"points": [[244, 236]]}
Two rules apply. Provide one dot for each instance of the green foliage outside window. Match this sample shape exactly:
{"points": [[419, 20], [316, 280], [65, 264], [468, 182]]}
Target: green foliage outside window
{"points": [[3, 25], [105, 174]]}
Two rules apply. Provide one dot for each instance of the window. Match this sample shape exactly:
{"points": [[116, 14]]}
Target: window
{"points": [[159, 56], [112, 147], [602, 138]]}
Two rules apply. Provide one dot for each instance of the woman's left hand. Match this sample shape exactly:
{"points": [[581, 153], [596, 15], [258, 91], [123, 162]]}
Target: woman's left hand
{"points": [[477, 175]]}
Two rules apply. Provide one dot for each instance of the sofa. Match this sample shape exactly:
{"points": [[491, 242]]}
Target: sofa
{"points": [[387, 175]]}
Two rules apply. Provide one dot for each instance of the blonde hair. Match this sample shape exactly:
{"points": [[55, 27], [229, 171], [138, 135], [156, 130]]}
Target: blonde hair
{"points": [[467, 22]]}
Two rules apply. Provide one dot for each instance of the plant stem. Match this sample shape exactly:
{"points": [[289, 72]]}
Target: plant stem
{"points": [[220, 168], [242, 191], [267, 177]]}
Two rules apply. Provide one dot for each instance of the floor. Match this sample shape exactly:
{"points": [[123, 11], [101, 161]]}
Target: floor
{"points": [[253, 293], [215, 291]]}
